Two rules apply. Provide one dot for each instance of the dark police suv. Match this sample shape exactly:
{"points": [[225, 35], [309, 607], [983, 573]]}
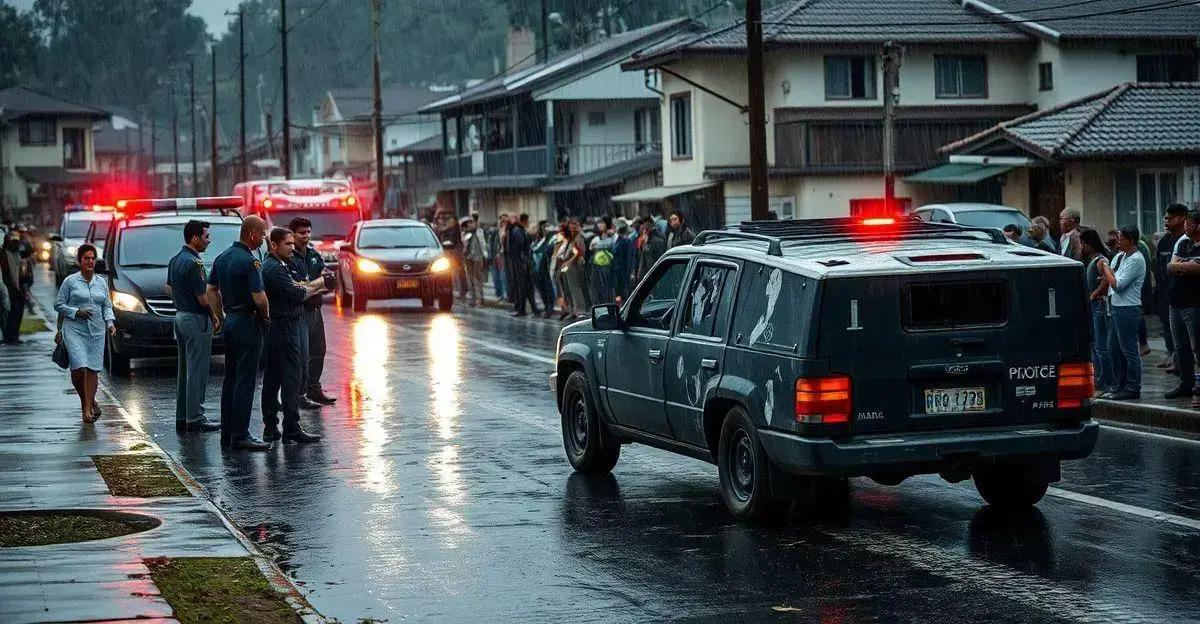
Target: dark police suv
{"points": [[796, 354], [140, 245]]}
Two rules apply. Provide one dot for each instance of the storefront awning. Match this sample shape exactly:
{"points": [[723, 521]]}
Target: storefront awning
{"points": [[957, 173], [660, 193], [57, 176]]}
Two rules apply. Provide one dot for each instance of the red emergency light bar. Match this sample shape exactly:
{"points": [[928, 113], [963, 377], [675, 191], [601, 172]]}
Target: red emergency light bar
{"points": [[179, 204]]}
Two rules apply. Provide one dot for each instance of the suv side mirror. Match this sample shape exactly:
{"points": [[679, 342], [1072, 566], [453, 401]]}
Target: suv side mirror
{"points": [[606, 317], [343, 246], [56, 238], [447, 244], [101, 267]]}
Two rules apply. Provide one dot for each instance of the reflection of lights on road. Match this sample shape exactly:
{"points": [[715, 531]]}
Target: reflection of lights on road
{"points": [[451, 491], [369, 400], [444, 373]]}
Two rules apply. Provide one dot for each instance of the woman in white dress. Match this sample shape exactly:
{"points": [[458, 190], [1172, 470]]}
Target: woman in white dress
{"points": [[86, 315]]}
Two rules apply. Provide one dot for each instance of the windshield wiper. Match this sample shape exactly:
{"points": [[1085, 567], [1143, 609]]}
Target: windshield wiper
{"points": [[143, 265]]}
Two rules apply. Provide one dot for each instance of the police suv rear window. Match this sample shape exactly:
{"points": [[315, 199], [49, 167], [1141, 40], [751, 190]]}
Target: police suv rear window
{"points": [[949, 305]]}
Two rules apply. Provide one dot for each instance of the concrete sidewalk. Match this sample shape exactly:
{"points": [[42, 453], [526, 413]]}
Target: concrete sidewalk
{"points": [[45, 464]]}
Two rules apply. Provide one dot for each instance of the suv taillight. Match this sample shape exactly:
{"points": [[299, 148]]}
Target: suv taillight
{"points": [[823, 400], [1076, 384]]}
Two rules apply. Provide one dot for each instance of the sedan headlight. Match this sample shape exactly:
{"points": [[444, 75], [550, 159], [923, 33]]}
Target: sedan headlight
{"points": [[369, 266], [440, 265], [71, 249], [46, 245], [126, 302]]}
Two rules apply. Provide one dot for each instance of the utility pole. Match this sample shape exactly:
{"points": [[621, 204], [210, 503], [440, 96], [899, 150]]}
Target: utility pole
{"points": [[891, 93], [757, 114], [153, 151], [192, 88], [544, 47], [244, 170], [286, 157], [141, 159], [175, 137], [377, 114], [212, 139]]}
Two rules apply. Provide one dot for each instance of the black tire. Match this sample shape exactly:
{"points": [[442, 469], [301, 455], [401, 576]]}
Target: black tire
{"points": [[427, 302], [359, 302], [118, 364], [744, 471], [445, 302], [1011, 487], [344, 299], [590, 448], [58, 280]]}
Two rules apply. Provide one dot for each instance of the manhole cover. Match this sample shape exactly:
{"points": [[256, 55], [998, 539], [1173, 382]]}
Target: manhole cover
{"points": [[66, 526]]}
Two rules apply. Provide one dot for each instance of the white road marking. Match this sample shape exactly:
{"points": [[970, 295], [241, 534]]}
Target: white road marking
{"points": [[1088, 499], [509, 350], [1160, 436]]}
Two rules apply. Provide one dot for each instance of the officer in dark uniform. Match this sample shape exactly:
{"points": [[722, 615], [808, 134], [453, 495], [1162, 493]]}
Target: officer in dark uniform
{"points": [[285, 339], [313, 267], [235, 293], [194, 328]]}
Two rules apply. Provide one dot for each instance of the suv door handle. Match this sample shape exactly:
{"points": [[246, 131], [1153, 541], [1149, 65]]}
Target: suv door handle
{"points": [[656, 355], [708, 363]]}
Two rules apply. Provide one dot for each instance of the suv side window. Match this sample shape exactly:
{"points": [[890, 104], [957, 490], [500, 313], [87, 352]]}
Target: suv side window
{"points": [[710, 297], [654, 306]]}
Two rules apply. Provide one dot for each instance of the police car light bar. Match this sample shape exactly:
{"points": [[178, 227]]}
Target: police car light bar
{"points": [[179, 204]]}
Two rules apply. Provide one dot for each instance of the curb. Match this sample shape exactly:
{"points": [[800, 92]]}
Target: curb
{"points": [[272, 572], [1144, 415]]}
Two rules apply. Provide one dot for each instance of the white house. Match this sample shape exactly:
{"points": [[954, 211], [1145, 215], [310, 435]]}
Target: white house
{"points": [[967, 65], [46, 152]]}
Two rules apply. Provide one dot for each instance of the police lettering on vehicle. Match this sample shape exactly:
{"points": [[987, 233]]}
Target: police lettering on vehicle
{"points": [[1032, 372]]}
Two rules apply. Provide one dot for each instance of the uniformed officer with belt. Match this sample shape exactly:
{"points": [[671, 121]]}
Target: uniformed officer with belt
{"points": [[308, 258], [236, 296], [194, 328], [285, 338]]}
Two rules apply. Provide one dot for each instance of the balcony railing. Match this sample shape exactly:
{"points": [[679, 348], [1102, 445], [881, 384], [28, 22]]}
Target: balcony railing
{"points": [[577, 159]]}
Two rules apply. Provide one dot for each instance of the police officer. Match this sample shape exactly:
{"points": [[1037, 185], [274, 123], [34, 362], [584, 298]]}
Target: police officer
{"points": [[286, 336], [308, 260], [236, 296], [194, 328]]}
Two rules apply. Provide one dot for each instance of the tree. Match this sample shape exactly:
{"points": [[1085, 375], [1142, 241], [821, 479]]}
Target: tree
{"points": [[18, 53], [123, 53]]}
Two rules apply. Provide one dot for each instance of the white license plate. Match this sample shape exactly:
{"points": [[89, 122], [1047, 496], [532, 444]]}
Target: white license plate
{"points": [[954, 400]]}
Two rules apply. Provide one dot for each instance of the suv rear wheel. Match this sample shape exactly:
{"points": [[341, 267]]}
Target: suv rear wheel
{"points": [[118, 364], [591, 449], [1012, 487], [744, 471]]}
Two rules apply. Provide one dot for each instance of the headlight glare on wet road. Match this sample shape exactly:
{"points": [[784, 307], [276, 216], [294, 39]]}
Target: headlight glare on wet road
{"points": [[127, 303], [369, 266], [440, 265]]}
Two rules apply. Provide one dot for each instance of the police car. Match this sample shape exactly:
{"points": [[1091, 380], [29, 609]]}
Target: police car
{"points": [[797, 354], [140, 245]]}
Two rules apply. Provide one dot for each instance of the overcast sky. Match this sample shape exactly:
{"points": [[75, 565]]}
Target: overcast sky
{"points": [[213, 12]]}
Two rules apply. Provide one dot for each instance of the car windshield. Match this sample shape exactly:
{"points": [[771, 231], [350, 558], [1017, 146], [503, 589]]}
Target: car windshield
{"points": [[996, 219], [396, 237], [154, 245], [328, 223], [78, 228]]}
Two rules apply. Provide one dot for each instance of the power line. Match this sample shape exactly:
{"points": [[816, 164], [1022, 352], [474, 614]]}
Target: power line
{"points": [[308, 15]]}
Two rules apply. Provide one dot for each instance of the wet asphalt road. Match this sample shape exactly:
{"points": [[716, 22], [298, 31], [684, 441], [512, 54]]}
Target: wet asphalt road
{"points": [[441, 493]]}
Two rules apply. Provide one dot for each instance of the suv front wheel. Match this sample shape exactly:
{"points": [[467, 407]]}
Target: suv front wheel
{"points": [[1011, 487], [590, 448], [744, 471]]}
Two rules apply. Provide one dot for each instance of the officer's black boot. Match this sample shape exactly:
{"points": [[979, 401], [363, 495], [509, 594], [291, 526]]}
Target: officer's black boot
{"points": [[301, 436], [270, 434], [319, 396]]}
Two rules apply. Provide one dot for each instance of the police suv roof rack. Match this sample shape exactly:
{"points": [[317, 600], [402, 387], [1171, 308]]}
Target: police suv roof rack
{"points": [[852, 229], [710, 236], [226, 206]]}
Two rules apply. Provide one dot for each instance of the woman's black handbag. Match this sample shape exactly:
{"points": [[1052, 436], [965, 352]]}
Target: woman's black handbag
{"points": [[59, 356]]}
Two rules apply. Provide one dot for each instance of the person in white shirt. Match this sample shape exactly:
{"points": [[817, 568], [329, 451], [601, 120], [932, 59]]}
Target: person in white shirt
{"points": [[1125, 279], [1068, 241]]}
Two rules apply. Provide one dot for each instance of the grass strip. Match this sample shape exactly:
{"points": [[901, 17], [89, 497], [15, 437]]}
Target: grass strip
{"points": [[32, 325], [143, 476], [219, 590], [43, 529]]}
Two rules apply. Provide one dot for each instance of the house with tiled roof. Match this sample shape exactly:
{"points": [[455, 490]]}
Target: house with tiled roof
{"points": [[47, 152], [966, 66], [555, 138], [1123, 154]]}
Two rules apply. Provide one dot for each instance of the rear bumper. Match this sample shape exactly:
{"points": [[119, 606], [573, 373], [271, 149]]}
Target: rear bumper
{"points": [[926, 452]]}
